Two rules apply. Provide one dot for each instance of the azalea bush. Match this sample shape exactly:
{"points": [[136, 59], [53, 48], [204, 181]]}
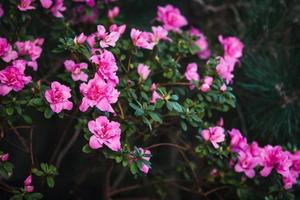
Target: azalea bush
{"points": [[92, 106]]}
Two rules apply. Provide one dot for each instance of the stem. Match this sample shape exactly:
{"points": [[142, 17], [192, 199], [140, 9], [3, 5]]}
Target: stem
{"points": [[31, 147], [19, 136], [167, 144], [174, 84], [121, 110]]}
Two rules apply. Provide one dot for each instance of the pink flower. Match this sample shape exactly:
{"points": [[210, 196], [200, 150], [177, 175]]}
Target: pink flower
{"points": [[13, 78], [223, 87], [171, 18], [98, 93], [225, 68], [214, 134], [159, 33], [155, 97], [112, 13], [1, 10], [201, 42], [191, 73], [142, 39], [107, 39], [6, 52], [31, 48], [296, 162], [115, 28], [27, 183], [289, 180], [46, 3], [58, 97], [146, 156], [25, 5], [105, 132], [233, 47], [107, 66], [205, 87], [143, 71], [4, 157], [237, 141], [57, 8], [246, 163], [153, 87], [76, 70], [80, 39]]}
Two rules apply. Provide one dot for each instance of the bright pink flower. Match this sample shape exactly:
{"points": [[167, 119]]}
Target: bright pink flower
{"points": [[225, 68], [76, 70], [6, 52], [31, 48], [13, 78], [25, 5], [27, 184], [1, 10], [142, 39], [58, 97], [214, 134], [246, 163], [4, 157], [233, 47], [289, 180], [105, 132], [155, 97], [98, 93], [57, 8], [205, 87], [115, 28], [237, 141], [296, 162], [171, 18], [91, 40], [107, 39], [112, 13], [107, 66], [146, 156], [159, 33], [201, 42], [46, 3], [80, 39], [191, 74], [143, 71]]}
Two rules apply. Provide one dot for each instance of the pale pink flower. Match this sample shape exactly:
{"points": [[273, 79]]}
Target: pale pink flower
{"points": [[46, 3], [107, 39], [80, 39], [105, 132], [1, 10], [153, 87], [115, 28], [225, 68], [142, 39], [145, 168], [233, 47], [57, 8], [13, 78], [159, 33], [107, 66], [143, 71], [220, 122], [25, 5], [191, 74], [214, 134], [155, 97], [112, 13], [91, 40], [58, 97], [223, 87], [98, 93], [27, 184], [201, 42], [76, 70], [205, 87], [237, 141], [6, 52], [4, 157], [171, 18], [246, 163]]}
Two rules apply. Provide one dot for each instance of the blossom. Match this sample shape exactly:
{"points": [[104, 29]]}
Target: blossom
{"points": [[46, 3], [142, 39], [107, 66], [233, 47], [112, 13], [246, 163], [143, 71], [4, 157], [58, 97], [115, 28], [6, 52], [1, 10], [105, 132], [80, 39], [155, 97], [98, 93], [146, 156], [214, 134], [107, 39], [171, 18], [76, 70], [25, 5], [159, 33], [191, 73], [27, 184], [223, 87], [13, 78], [237, 141], [225, 68], [208, 80], [57, 8], [201, 42]]}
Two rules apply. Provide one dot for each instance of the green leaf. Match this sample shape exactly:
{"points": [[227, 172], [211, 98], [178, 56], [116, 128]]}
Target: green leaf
{"points": [[27, 119], [9, 111], [133, 168], [155, 117], [86, 149], [16, 197], [50, 181], [37, 172], [183, 125], [177, 106], [37, 101], [48, 113], [44, 167]]}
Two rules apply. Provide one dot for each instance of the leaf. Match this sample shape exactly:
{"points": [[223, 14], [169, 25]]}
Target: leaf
{"points": [[155, 117], [37, 101], [9, 111], [37, 172], [133, 168], [169, 106], [16, 197], [177, 106], [27, 119], [50, 181], [146, 121], [86, 149], [48, 113], [44, 167], [183, 125]]}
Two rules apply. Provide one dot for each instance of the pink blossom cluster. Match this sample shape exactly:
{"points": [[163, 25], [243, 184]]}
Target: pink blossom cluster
{"points": [[76, 70], [204, 52], [252, 156], [28, 184], [233, 50], [7, 53]]}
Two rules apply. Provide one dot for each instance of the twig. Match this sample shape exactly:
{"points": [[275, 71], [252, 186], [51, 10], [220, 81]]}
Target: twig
{"points": [[19, 136], [167, 144], [216, 189], [121, 110], [31, 147]]}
